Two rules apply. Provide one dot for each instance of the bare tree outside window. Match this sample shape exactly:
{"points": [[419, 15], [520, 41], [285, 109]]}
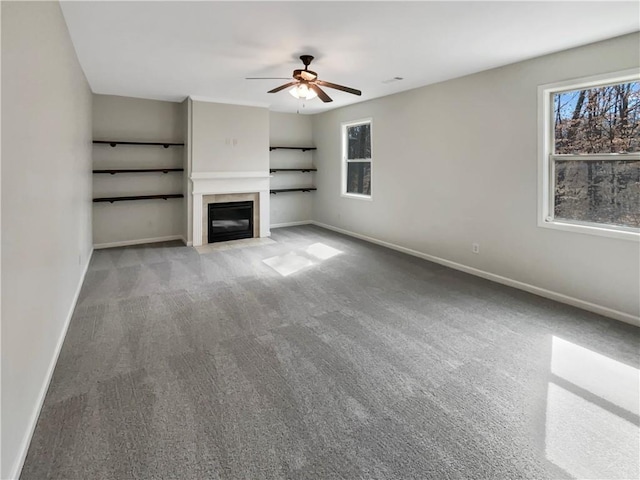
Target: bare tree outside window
{"points": [[359, 141], [599, 124]]}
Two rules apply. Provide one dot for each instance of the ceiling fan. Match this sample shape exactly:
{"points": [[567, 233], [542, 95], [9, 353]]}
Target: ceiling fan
{"points": [[306, 84]]}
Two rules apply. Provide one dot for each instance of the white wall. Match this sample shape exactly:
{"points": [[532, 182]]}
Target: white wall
{"points": [[456, 163], [46, 208], [291, 130], [229, 138], [134, 119]]}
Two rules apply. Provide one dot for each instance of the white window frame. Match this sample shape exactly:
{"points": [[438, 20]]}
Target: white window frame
{"points": [[546, 162], [346, 161]]}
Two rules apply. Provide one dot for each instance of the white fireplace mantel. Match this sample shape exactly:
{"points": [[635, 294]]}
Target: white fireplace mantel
{"points": [[215, 183]]}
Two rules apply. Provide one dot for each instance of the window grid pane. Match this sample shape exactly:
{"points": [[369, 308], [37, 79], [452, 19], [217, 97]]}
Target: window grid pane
{"points": [[603, 119], [359, 142], [597, 191], [359, 178]]}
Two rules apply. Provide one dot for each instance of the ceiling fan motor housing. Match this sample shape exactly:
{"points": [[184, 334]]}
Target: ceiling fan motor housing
{"points": [[304, 74]]}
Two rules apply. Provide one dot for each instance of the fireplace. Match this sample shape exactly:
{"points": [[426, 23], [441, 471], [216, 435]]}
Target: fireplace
{"points": [[225, 187], [230, 221]]}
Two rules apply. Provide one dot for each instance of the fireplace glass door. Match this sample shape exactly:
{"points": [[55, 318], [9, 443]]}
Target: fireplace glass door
{"points": [[230, 221]]}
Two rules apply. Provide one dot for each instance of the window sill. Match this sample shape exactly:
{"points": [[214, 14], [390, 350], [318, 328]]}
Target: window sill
{"points": [[630, 234], [356, 196]]}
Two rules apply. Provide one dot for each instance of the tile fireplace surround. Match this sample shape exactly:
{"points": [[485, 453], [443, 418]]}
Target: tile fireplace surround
{"points": [[214, 187]]}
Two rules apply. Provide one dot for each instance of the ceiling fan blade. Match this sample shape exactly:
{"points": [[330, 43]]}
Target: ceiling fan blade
{"points": [[339, 87], [282, 87], [321, 93], [267, 78]]}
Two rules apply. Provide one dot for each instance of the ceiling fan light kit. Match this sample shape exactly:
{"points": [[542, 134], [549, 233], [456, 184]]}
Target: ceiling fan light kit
{"points": [[307, 86], [303, 91]]}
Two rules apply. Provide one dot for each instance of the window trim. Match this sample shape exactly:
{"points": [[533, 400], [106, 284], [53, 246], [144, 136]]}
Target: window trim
{"points": [[546, 165], [344, 161]]}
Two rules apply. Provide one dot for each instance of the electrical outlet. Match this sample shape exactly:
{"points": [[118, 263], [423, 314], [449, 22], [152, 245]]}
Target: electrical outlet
{"points": [[475, 247]]}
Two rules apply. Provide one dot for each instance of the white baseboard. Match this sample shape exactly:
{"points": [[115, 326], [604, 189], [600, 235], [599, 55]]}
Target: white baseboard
{"points": [[559, 297], [24, 447], [186, 242], [140, 241], [291, 224]]}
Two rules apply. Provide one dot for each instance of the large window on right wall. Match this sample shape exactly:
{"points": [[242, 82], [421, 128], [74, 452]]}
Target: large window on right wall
{"points": [[356, 159], [589, 167]]}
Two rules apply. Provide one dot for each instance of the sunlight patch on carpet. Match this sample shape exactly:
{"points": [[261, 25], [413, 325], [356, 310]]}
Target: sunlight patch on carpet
{"points": [[293, 262]]}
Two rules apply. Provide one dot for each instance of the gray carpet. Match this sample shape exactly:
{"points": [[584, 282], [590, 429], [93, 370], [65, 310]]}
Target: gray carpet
{"points": [[365, 364]]}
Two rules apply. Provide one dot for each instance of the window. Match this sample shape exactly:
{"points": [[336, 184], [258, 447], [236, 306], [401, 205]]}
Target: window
{"points": [[590, 155], [356, 155]]}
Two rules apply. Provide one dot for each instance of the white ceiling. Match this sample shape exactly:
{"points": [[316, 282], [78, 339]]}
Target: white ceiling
{"points": [[170, 50]]}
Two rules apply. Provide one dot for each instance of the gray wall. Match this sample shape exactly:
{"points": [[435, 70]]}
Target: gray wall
{"points": [[134, 119], [185, 107], [456, 163], [291, 129], [46, 208]]}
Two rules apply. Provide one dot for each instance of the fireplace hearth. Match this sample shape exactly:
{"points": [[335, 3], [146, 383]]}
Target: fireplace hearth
{"points": [[230, 221]]}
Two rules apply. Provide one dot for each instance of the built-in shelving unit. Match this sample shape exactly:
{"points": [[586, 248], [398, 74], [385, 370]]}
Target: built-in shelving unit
{"points": [[304, 149], [138, 197], [113, 171], [301, 189], [303, 170], [300, 169], [139, 170], [113, 143]]}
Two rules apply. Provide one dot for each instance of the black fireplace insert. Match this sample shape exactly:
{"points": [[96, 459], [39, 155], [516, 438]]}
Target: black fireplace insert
{"points": [[230, 221]]}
